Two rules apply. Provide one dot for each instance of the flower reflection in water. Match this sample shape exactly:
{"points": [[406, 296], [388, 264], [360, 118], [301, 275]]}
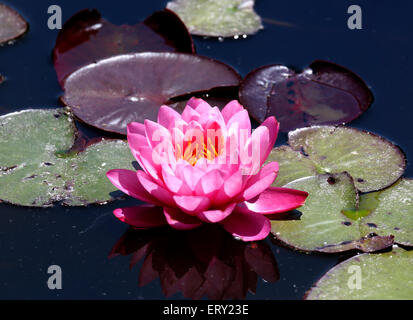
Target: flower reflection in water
{"points": [[204, 262]]}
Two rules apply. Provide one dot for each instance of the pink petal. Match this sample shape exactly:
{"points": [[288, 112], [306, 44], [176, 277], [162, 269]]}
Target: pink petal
{"points": [[214, 216], [275, 200], [155, 190], [136, 128], [243, 120], [189, 114], [136, 141], [174, 183], [127, 181], [210, 182], [179, 220], [270, 137], [146, 156], [200, 106], [214, 121], [230, 109], [156, 134], [192, 204], [192, 175], [261, 181], [168, 117], [232, 187], [261, 142], [141, 216], [247, 226]]}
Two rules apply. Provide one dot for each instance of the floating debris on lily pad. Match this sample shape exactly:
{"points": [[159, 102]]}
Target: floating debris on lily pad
{"points": [[37, 170], [322, 226], [373, 162], [12, 24], [86, 37], [218, 18], [323, 94], [113, 92], [382, 276]]}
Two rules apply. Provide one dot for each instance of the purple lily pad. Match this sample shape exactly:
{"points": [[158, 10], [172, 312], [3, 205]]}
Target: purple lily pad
{"points": [[113, 92], [12, 24], [323, 94], [86, 37]]}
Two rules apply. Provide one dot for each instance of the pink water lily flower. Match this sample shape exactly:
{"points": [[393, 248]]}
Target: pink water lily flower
{"points": [[204, 166]]}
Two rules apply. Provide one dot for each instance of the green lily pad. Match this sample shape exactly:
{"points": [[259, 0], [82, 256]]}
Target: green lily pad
{"points": [[217, 18], [35, 169], [293, 165], [384, 276], [391, 212], [372, 161], [322, 225]]}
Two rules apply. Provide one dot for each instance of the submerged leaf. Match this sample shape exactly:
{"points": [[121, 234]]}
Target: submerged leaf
{"points": [[355, 214], [12, 24], [86, 37], [382, 276], [33, 171], [325, 93], [372, 161], [125, 88], [218, 18]]}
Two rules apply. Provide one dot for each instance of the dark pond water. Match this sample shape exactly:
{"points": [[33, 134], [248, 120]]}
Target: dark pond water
{"points": [[79, 240]]}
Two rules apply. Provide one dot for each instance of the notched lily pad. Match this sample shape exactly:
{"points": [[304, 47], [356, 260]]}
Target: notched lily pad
{"points": [[113, 92], [86, 37], [35, 171], [381, 276], [333, 220], [322, 227], [12, 24], [218, 18], [323, 94]]}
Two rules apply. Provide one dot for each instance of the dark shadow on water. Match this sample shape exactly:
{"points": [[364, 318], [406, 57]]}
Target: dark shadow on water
{"points": [[290, 215], [205, 262]]}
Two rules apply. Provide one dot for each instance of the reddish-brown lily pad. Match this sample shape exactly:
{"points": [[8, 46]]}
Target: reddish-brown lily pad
{"points": [[324, 93], [113, 92], [12, 24], [86, 37]]}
